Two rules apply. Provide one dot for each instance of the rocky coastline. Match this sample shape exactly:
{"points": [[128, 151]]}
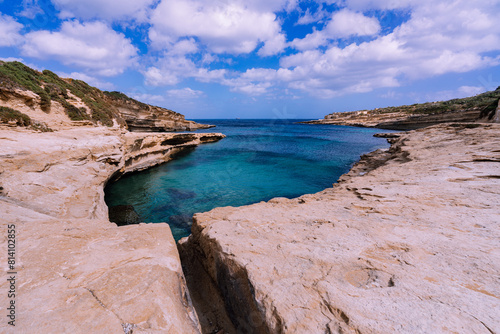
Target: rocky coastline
{"points": [[483, 108], [77, 272], [406, 242]]}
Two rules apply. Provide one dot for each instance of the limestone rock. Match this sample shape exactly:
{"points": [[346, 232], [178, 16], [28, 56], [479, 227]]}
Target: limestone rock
{"points": [[397, 120], [76, 271], [407, 242]]}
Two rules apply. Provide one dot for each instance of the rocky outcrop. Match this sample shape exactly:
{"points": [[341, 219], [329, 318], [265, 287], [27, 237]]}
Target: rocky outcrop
{"points": [[60, 103], [397, 120], [75, 271], [406, 242], [480, 108], [145, 118]]}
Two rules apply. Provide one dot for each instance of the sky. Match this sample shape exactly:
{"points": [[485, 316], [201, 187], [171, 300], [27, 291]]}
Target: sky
{"points": [[262, 58]]}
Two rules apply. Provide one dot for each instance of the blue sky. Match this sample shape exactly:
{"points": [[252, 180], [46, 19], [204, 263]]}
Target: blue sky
{"points": [[262, 58]]}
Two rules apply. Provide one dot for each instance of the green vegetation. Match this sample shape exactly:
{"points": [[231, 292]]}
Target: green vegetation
{"points": [[120, 96], [8, 115], [50, 87]]}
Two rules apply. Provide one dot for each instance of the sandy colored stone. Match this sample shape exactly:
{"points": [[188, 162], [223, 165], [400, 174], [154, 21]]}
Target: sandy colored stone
{"points": [[76, 271], [407, 242], [130, 114]]}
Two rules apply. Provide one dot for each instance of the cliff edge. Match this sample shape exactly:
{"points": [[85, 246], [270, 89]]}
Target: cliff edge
{"points": [[406, 242], [75, 272], [67, 268]]}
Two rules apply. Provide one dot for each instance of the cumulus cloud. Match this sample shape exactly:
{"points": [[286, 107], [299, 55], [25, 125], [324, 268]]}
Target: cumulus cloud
{"points": [[147, 98], [104, 9], [463, 91], [185, 93], [225, 26], [346, 23], [309, 16], [173, 68], [93, 81], [343, 24], [9, 31], [442, 37], [91, 45]]}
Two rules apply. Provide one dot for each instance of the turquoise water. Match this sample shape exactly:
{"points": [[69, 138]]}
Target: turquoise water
{"points": [[258, 160]]}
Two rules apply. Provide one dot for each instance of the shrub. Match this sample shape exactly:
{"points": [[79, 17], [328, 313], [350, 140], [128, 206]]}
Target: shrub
{"points": [[8, 115]]}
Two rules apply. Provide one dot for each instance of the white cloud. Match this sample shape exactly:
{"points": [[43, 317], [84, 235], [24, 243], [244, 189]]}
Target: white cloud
{"points": [[308, 17], [147, 98], [30, 9], [273, 46], [174, 67], [104, 9], [346, 23], [225, 26], [444, 37], [379, 4], [9, 31], [12, 59], [185, 93], [93, 81], [311, 41], [463, 91], [343, 24], [91, 45]]}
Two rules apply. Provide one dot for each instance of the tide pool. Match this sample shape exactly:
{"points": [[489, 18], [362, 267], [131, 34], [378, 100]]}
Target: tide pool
{"points": [[258, 160]]}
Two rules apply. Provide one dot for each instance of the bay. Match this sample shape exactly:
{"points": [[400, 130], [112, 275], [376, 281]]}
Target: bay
{"points": [[258, 160]]}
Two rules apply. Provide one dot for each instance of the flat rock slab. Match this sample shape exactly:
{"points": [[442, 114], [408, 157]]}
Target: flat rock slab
{"points": [[407, 242], [89, 276]]}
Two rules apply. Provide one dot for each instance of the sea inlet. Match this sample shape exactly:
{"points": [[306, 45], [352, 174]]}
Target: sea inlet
{"points": [[257, 161]]}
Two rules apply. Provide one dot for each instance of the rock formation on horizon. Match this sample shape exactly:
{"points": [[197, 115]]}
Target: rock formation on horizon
{"points": [[482, 108]]}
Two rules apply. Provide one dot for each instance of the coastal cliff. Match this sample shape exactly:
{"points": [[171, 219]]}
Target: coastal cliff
{"points": [[483, 108], [54, 103], [406, 242], [76, 271], [61, 142]]}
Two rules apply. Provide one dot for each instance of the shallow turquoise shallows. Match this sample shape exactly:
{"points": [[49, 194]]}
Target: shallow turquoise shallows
{"points": [[258, 160]]}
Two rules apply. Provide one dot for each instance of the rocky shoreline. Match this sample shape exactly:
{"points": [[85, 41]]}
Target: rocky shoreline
{"points": [[75, 271], [406, 242]]}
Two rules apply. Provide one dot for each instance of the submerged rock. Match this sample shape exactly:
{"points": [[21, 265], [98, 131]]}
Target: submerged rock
{"points": [[123, 215], [180, 194]]}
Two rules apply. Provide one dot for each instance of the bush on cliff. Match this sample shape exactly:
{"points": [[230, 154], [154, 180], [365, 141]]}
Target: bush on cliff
{"points": [[50, 87], [8, 115]]}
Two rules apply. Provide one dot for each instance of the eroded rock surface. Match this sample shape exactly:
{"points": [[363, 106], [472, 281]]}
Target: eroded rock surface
{"points": [[407, 242], [76, 271]]}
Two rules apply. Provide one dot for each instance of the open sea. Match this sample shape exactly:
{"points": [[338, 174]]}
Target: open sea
{"points": [[258, 160]]}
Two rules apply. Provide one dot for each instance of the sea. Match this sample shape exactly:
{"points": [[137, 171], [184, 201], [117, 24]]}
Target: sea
{"points": [[258, 160]]}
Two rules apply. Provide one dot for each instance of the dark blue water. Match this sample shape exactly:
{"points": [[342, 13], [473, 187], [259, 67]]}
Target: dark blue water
{"points": [[258, 160]]}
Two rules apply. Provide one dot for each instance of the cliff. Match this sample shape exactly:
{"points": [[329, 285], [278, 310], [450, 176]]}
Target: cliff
{"points": [[480, 108], [55, 103], [406, 242], [75, 271]]}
